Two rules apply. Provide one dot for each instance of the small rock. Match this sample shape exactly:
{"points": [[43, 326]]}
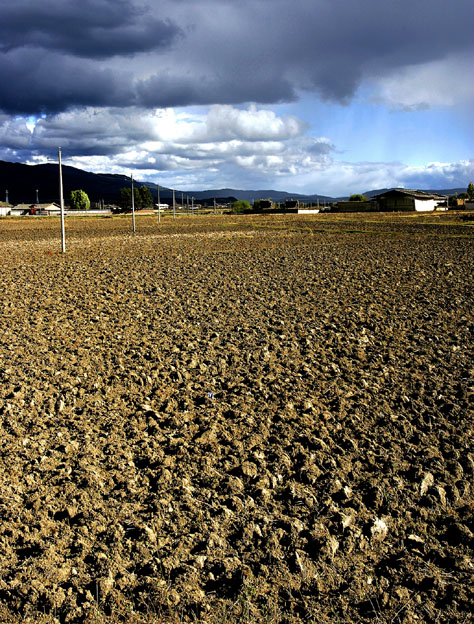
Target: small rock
{"points": [[249, 469], [201, 560], [379, 530], [416, 538], [427, 482]]}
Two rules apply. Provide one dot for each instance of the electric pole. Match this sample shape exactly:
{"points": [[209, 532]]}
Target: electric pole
{"points": [[61, 202], [133, 206]]}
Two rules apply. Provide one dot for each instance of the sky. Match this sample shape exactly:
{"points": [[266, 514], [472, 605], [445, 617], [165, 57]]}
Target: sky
{"points": [[307, 96]]}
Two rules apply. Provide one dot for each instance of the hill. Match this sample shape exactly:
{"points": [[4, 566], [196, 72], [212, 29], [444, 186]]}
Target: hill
{"points": [[22, 181]]}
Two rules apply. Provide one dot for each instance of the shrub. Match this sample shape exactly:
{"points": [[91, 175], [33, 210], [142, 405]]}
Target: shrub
{"points": [[241, 206]]}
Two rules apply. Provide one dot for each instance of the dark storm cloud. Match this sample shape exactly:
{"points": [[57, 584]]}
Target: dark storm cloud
{"points": [[222, 52], [235, 88], [330, 47], [90, 28], [33, 84]]}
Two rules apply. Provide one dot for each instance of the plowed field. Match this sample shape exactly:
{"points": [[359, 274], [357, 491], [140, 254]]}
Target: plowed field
{"points": [[231, 419]]}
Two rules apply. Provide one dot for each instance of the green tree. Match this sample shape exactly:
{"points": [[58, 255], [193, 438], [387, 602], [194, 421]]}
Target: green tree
{"points": [[79, 200], [241, 206], [125, 198], [470, 191], [453, 200], [145, 197], [358, 197]]}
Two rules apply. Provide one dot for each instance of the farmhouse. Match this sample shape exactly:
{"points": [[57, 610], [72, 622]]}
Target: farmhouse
{"points": [[266, 204], [5, 208], [36, 209], [405, 200]]}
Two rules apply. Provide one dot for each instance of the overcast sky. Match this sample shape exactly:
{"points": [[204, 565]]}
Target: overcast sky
{"points": [[310, 96]]}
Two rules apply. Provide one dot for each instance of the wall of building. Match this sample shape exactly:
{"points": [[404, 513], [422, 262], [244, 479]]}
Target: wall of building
{"points": [[396, 204], [426, 205]]}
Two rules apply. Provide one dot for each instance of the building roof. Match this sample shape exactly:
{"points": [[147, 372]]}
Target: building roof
{"points": [[53, 205], [410, 193]]}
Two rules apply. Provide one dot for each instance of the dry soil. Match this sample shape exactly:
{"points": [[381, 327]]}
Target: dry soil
{"points": [[237, 419]]}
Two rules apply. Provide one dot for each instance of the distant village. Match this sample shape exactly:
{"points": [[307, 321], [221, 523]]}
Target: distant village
{"points": [[393, 200]]}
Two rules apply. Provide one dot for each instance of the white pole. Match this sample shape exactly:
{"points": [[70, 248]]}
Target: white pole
{"points": [[61, 201], [174, 206], [192, 206], [159, 205], [133, 206], [215, 209]]}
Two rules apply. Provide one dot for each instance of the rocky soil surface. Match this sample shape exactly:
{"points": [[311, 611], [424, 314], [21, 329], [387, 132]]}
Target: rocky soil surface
{"points": [[230, 419]]}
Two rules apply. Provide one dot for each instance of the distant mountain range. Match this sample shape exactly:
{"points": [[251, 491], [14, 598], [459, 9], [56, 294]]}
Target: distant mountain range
{"points": [[22, 181]]}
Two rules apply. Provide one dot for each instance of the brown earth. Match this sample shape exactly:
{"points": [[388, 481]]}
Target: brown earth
{"points": [[231, 419]]}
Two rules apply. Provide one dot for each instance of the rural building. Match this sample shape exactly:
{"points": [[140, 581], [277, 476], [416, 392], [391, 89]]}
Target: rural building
{"points": [[405, 200], [266, 204], [21, 209], [36, 209], [291, 203], [5, 209]]}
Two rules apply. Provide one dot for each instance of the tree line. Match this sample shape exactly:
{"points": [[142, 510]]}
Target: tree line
{"points": [[79, 200], [142, 198]]}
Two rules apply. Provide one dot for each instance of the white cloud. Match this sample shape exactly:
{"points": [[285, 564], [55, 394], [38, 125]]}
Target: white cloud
{"points": [[14, 133], [340, 178], [237, 141], [252, 124], [222, 146]]}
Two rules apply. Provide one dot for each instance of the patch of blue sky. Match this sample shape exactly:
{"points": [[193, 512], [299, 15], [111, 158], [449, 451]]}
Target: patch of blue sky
{"points": [[368, 131]]}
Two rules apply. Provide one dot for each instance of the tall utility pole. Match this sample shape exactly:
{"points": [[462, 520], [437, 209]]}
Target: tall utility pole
{"points": [[6, 196], [192, 206], [61, 201], [174, 206], [159, 205], [215, 209], [187, 204], [133, 206], [182, 203], [37, 196]]}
